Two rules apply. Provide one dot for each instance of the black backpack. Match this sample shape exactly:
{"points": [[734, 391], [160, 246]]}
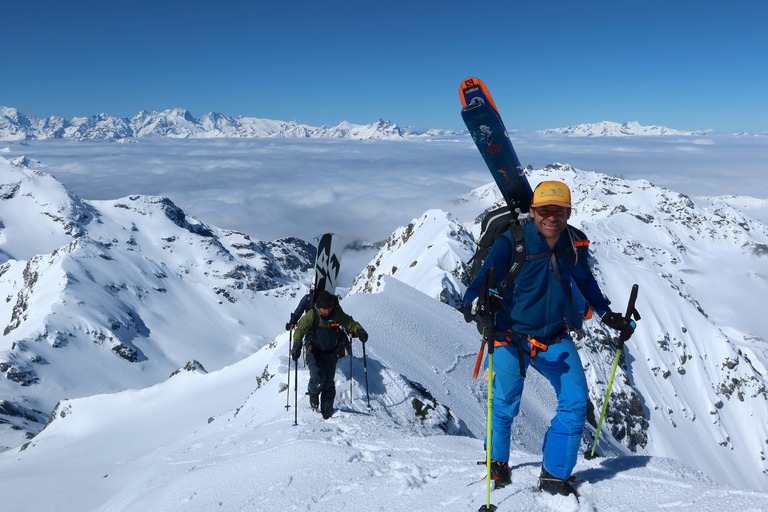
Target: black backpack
{"points": [[331, 338], [494, 224]]}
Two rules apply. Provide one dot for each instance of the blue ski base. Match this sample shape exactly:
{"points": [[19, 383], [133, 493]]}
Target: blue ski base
{"points": [[490, 136]]}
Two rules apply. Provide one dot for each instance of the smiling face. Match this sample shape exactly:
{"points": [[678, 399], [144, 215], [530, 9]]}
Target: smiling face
{"points": [[550, 221]]}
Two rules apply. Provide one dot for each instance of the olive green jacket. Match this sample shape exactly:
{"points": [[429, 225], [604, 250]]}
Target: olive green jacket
{"points": [[338, 316]]}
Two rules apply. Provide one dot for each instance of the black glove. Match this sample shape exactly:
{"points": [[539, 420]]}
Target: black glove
{"points": [[620, 323], [486, 326], [288, 326], [362, 335], [296, 351], [468, 316]]}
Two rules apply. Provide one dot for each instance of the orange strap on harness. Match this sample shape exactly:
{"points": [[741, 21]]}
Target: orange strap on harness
{"points": [[536, 345]]}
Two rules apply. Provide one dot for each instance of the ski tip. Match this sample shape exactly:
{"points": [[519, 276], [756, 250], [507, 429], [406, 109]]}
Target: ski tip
{"points": [[468, 86], [473, 90]]}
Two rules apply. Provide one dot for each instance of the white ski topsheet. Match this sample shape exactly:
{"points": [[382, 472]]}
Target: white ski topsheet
{"points": [[328, 263]]}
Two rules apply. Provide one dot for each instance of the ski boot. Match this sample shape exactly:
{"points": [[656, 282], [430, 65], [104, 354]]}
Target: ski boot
{"points": [[500, 474], [551, 484]]}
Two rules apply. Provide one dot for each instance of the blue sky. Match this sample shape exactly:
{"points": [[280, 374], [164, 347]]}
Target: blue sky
{"points": [[682, 64]]}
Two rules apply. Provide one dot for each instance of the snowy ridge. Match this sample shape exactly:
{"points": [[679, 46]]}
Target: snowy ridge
{"points": [[429, 254], [180, 123], [611, 129], [121, 291], [686, 372]]}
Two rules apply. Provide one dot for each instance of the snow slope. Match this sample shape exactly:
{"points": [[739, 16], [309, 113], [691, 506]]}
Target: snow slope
{"points": [[225, 440]]}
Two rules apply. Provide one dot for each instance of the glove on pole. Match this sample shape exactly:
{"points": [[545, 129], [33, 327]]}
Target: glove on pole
{"points": [[631, 311]]}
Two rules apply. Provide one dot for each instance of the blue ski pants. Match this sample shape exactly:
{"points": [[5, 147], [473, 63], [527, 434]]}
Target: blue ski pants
{"points": [[561, 365]]}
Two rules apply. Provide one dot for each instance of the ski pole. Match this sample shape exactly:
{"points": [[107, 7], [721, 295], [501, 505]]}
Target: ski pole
{"points": [[350, 374], [365, 366], [489, 338], [295, 392], [489, 432], [288, 389], [630, 311]]}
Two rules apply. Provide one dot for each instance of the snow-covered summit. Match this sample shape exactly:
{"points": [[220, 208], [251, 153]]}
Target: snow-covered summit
{"points": [[611, 129], [234, 440]]}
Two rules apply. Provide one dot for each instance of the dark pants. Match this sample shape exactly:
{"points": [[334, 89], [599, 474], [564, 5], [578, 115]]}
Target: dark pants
{"points": [[322, 370]]}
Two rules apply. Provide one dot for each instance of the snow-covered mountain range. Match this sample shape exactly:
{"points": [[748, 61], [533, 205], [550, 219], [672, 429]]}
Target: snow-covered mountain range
{"points": [[611, 129], [180, 123], [104, 296]]}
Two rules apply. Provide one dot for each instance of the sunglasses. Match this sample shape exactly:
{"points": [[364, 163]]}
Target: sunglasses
{"points": [[550, 211]]}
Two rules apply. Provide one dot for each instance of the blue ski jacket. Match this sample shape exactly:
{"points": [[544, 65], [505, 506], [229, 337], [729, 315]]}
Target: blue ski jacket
{"points": [[537, 301]]}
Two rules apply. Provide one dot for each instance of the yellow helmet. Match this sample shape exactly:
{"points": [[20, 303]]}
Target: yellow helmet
{"points": [[555, 193]]}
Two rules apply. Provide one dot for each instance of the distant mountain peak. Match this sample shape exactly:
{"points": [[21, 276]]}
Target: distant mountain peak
{"points": [[611, 129]]}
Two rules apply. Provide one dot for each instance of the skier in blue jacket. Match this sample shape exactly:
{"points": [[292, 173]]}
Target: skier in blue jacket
{"points": [[530, 329]]}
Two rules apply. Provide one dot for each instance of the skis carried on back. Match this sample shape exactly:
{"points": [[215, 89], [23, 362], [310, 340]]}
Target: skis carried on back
{"points": [[484, 123], [327, 264]]}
